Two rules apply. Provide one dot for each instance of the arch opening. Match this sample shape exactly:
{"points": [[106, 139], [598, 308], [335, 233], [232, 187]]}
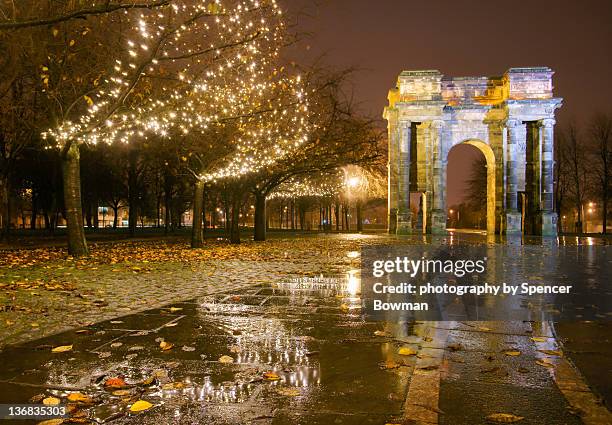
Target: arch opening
{"points": [[470, 189]]}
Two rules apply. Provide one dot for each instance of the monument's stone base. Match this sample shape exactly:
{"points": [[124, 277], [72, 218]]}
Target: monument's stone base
{"points": [[404, 223], [438, 222], [549, 224], [513, 223]]}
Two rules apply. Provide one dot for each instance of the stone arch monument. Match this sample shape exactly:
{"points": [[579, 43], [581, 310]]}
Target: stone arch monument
{"points": [[510, 119]]}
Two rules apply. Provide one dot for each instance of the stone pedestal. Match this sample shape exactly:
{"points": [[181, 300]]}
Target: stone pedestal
{"points": [[404, 223], [438, 222], [392, 223], [513, 223], [549, 223]]}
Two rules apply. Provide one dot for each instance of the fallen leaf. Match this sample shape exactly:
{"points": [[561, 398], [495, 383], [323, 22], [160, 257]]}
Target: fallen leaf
{"points": [[115, 383], [389, 364], [62, 349], [552, 352], [289, 392], [165, 346], [271, 376], [104, 354], [121, 393], [406, 351], [174, 309], [187, 348], [538, 339], [79, 398], [504, 418], [512, 353], [51, 401], [226, 359], [116, 344], [140, 405], [136, 348], [544, 363], [52, 422], [380, 333]]}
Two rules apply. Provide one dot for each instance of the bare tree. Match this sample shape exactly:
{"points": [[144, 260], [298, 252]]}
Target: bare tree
{"points": [[575, 155], [601, 150]]}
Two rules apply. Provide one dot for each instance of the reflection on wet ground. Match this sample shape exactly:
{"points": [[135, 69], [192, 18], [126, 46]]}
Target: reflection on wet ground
{"points": [[288, 354], [292, 352]]}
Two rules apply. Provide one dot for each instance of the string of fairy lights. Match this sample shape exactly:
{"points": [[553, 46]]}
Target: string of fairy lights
{"points": [[324, 185], [196, 64]]}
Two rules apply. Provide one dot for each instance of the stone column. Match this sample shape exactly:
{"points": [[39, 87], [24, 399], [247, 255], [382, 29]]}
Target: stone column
{"points": [[393, 167], [438, 213], [513, 216], [404, 214], [549, 216]]}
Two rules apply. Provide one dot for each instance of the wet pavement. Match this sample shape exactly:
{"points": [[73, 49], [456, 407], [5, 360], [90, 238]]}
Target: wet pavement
{"points": [[296, 350], [298, 356]]}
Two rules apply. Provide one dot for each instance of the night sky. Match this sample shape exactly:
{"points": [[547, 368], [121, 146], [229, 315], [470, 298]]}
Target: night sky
{"points": [[465, 38]]}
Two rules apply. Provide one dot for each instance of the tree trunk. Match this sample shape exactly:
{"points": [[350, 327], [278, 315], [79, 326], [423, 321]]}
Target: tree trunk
{"points": [[71, 173], [197, 236], [337, 214], [96, 218], [359, 222], [6, 208], [34, 211], [604, 211], [132, 192], [260, 218], [235, 215]]}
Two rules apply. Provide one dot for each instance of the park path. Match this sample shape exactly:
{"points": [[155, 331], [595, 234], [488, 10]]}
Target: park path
{"points": [[292, 352], [283, 346]]}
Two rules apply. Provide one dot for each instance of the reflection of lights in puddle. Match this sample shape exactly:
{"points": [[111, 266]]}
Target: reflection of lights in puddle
{"points": [[353, 254], [353, 286]]}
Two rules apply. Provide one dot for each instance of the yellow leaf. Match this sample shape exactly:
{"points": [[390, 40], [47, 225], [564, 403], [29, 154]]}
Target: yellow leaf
{"points": [[51, 401], [52, 422], [271, 376], [165, 346], [62, 349], [121, 393], [552, 352], [538, 339], [78, 397], [504, 418], [544, 363], [44, 68], [140, 405], [55, 32], [173, 309], [72, 43], [406, 351], [226, 359], [512, 353]]}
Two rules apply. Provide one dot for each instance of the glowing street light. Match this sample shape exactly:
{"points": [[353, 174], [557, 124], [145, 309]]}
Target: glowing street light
{"points": [[353, 182]]}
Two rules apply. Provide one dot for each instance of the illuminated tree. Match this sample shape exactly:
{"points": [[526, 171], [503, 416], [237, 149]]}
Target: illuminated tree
{"points": [[184, 66], [338, 136]]}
